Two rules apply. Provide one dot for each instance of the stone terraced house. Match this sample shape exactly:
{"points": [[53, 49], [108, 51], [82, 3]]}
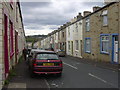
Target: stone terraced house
{"points": [[95, 36], [100, 33], [12, 37]]}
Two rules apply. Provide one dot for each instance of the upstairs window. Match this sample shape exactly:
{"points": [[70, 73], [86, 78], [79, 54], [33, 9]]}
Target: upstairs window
{"points": [[87, 25], [59, 35], [105, 17], [69, 31], [17, 13], [63, 34], [76, 27]]}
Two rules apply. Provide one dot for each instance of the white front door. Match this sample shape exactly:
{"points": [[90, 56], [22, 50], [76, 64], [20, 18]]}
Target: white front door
{"points": [[115, 48]]}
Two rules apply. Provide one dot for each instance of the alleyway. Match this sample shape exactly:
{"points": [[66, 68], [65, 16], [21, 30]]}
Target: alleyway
{"points": [[76, 74]]}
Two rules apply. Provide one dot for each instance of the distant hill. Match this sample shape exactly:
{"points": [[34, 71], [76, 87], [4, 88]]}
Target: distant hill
{"points": [[34, 38]]}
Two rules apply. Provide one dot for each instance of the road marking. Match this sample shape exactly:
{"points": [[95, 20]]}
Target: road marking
{"points": [[102, 80], [47, 84], [53, 84], [97, 78], [70, 65]]}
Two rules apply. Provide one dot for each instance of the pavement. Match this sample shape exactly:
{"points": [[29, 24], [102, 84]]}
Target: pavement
{"points": [[77, 73], [23, 80], [107, 65]]}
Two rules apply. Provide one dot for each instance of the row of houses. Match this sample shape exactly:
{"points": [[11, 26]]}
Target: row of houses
{"points": [[12, 37], [93, 36]]}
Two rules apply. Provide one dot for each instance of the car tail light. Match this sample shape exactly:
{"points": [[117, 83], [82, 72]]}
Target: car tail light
{"points": [[61, 64], [34, 64]]}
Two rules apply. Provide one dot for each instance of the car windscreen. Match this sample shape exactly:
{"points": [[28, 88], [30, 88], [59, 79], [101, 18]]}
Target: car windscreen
{"points": [[46, 56]]}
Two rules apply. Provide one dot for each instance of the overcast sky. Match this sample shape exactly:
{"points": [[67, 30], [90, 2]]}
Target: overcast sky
{"points": [[44, 17]]}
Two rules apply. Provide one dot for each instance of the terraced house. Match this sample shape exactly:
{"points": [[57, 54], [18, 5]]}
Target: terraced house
{"points": [[74, 37], [93, 36], [55, 40], [12, 37], [62, 38], [69, 37], [100, 36]]}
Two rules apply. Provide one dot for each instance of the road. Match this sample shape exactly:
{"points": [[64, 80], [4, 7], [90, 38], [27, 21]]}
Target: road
{"points": [[75, 75]]}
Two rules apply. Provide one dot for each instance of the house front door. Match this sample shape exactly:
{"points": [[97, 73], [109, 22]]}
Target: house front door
{"points": [[72, 47], [6, 61], [115, 48]]}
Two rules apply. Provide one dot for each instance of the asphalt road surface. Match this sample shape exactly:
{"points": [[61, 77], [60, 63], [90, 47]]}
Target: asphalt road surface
{"points": [[75, 75]]}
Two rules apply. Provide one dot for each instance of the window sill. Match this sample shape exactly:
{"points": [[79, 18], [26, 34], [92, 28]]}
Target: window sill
{"points": [[105, 25], [107, 53], [88, 31], [87, 52]]}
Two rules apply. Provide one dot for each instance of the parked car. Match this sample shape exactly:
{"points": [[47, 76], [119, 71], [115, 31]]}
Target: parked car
{"points": [[45, 62], [29, 56], [61, 53]]}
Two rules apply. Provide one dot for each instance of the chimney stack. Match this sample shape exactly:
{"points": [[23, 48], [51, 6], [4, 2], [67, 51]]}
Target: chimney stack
{"points": [[107, 1], [79, 16], [96, 8], [86, 13]]}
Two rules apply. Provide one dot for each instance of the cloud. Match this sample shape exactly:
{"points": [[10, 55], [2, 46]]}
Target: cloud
{"points": [[41, 16]]}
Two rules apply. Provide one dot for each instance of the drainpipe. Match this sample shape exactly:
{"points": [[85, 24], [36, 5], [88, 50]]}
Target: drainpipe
{"points": [[119, 33]]}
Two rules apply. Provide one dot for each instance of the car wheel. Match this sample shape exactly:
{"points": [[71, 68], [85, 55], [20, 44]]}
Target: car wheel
{"points": [[32, 74]]}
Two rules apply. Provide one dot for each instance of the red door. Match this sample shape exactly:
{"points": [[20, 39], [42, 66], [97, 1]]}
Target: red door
{"points": [[6, 61]]}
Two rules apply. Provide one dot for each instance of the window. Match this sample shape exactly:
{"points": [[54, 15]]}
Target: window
{"points": [[87, 24], [69, 45], [77, 45], [69, 31], [46, 56], [87, 45], [105, 18], [63, 34], [105, 44], [11, 39], [58, 35], [76, 27], [55, 36]]}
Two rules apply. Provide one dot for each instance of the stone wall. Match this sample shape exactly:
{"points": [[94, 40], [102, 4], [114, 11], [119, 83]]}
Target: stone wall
{"points": [[97, 28], [1, 50]]}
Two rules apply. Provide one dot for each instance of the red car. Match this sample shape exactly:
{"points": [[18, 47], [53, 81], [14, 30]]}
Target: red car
{"points": [[45, 62]]}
